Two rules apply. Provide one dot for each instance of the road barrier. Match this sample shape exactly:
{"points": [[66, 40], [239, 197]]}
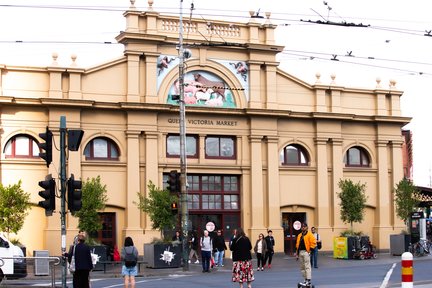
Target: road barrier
{"points": [[407, 270]]}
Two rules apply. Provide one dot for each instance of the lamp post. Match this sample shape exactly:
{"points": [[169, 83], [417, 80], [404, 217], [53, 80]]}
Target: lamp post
{"points": [[183, 189]]}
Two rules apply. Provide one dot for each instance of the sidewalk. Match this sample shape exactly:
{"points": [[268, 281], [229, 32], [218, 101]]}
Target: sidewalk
{"points": [[281, 262]]}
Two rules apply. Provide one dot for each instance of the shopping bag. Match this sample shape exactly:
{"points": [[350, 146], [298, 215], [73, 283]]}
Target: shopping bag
{"points": [[72, 264]]}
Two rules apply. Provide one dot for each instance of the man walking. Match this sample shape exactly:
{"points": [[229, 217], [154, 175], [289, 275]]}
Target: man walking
{"points": [[305, 242]]}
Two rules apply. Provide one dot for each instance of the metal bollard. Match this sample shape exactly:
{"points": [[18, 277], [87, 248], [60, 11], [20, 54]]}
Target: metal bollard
{"points": [[407, 270]]}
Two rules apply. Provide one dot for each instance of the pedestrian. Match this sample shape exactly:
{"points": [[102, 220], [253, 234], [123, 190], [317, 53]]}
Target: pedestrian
{"points": [[270, 249], [314, 251], [219, 248], [129, 256], [242, 259], [83, 261], [305, 242], [193, 246], [206, 250], [177, 238], [260, 250]]}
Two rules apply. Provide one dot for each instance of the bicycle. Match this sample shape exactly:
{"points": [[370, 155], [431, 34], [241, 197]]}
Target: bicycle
{"points": [[420, 248]]}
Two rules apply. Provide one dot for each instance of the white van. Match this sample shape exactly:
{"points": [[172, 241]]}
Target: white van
{"points": [[12, 268]]}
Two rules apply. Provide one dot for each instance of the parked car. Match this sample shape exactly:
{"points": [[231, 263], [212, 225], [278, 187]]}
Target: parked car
{"points": [[13, 264]]}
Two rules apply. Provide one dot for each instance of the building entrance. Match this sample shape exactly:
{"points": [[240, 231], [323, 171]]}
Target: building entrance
{"points": [[291, 223], [226, 222]]}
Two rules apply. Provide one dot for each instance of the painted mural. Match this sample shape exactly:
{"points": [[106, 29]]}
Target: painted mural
{"points": [[241, 71], [202, 88]]}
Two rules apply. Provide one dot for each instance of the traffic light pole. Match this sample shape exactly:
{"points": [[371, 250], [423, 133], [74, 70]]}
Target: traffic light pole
{"points": [[183, 177], [63, 195]]}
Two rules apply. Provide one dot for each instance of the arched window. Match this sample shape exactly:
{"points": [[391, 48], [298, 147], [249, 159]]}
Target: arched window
{"points": [[101, 148], [21, 146], [356, 157], [294, 155]]}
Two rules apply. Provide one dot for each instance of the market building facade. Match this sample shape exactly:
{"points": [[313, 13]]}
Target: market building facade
{"points": [[264, 149]]}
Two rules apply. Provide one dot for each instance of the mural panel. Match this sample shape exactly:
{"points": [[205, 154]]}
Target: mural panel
{"points": [[202, 88]]}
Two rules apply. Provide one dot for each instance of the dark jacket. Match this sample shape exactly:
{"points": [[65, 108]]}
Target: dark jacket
{"points": [[270, 243], [241, 248], [219, 243], [193, 242], [83, 260]]}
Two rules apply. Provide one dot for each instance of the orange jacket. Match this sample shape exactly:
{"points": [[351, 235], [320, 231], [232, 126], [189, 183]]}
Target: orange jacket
{"points": [[309, 240]]}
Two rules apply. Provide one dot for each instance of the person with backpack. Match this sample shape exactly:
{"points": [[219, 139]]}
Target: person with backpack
{"points": [[206, 251], [129, 256]]}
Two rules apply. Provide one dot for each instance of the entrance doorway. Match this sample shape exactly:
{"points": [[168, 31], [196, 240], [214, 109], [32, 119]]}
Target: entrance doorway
{"points": [[227, 222], [107, 235], [291, 225]]}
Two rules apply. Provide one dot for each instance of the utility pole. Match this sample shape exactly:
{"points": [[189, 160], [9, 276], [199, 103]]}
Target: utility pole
{"points": [[183, 176], [62, 194]]}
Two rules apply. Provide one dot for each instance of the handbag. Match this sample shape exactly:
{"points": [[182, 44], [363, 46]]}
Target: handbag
{"points": [[72, 262], [319, 245]]}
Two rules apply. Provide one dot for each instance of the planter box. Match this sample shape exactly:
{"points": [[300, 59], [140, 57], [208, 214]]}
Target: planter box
{"points": [[399, 244], [162, 255], [102, 252]]}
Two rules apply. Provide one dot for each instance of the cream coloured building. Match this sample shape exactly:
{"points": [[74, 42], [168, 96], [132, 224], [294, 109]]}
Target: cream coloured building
{"points": [[265, 149]]}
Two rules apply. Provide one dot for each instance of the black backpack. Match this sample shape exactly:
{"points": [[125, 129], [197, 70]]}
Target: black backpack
{"points": [[130, 258]]}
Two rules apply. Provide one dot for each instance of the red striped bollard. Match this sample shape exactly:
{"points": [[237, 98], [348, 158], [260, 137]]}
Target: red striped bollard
{"points": [[407, 270]]}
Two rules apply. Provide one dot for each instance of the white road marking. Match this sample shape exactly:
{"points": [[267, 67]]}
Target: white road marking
{"points": [[387, 277]]}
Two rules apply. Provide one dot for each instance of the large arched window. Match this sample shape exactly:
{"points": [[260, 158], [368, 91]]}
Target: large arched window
{"points": [[101, 148], [21, 146], [356, 157], [294, 154]]}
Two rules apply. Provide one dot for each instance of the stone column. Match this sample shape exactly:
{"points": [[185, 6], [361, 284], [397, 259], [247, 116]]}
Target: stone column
{"points": [[257, 194], [273, 201], [396, 176], [382, 223], [132, 214], [151, 174], [271, 101], [322, 207], [337, 169], [151, 78], [133, 75], [254, 87]]}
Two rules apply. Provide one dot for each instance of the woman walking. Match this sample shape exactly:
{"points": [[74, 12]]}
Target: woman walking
{"points": [[260, 250], [242, 259]]}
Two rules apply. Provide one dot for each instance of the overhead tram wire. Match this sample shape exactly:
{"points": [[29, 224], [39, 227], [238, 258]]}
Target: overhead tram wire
{"points": [[224, 13]]}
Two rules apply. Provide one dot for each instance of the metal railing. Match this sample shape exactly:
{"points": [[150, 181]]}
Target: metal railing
{"points": [[52, 262]]}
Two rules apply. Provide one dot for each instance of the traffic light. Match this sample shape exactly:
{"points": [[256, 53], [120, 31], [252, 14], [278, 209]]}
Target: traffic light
{"points": [[48, 194], [174, 208], [173, 182], [74, 194], [74, 139], [47, 146]]}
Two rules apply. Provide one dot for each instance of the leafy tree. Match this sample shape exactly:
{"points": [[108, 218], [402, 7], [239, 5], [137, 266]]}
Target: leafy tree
{"points": [[406, 199], [94, 198], [14, 203], [158, 206], [353, 201]]}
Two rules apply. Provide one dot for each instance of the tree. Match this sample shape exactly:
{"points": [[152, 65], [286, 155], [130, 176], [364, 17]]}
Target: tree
{"points": [[406, 199], [353, 201], [158, 206], [14, 203], [94, 198]]}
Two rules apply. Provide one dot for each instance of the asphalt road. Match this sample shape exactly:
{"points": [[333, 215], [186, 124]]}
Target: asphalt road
{"points": [[382, 272]]}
